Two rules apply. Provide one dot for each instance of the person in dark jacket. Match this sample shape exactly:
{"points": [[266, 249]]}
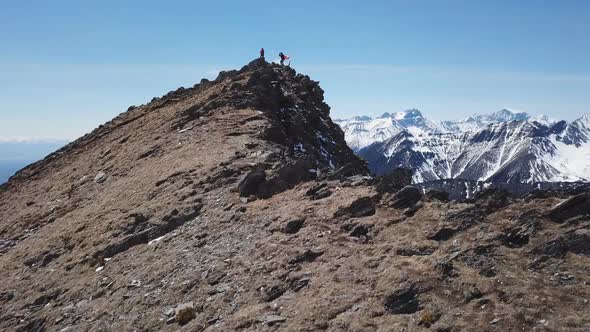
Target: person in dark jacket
{"points": [[262, 52]]}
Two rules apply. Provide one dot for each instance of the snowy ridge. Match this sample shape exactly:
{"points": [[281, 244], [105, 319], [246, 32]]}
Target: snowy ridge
{"points": [[362, 131], [510, 148]]}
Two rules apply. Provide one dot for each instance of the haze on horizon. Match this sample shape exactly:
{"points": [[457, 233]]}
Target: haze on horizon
{"points": [[68, 67]]}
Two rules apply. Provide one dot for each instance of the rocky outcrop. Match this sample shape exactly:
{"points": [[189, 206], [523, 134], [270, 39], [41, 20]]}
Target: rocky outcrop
{"points": [[575, 206]]}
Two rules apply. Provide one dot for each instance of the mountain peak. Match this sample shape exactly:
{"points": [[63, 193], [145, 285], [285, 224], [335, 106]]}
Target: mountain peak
{"points": [[209, 206], [287, 108], [507, 114], [408, 114], [585, 118]]}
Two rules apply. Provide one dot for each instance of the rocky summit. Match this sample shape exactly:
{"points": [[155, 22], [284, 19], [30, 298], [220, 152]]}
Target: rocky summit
{"points": [[237, 205]]}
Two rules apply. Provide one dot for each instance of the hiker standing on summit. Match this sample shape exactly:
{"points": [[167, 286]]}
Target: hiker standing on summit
{"points": [[262, 53], [283, 58]]}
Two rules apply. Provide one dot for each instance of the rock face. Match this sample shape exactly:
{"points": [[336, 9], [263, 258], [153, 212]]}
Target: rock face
{"points": [[236, 205], [575, 206]]}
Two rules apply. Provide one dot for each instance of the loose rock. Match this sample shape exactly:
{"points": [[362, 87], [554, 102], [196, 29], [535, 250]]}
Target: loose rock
{"points": [[184, 313], [100, 177]]}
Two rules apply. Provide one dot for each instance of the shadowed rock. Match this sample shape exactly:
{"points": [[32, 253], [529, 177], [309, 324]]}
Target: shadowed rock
{"points": [[403, 301], [293, 226], [406, 197], [577, 242], [578, 205], [362, 207], [250, 183]]}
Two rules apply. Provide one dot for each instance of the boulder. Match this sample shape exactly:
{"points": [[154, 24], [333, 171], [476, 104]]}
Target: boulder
{"points": [[184, 313], [100, 177], [411, 211], [406, 197]]}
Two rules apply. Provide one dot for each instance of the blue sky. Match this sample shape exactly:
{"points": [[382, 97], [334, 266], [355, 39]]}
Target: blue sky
{"points": [[67, 66]]}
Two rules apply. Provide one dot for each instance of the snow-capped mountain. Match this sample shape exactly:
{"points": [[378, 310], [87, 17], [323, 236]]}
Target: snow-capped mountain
{"points": [[511, 148], [479, 122], [362, 131], [505, 146]]}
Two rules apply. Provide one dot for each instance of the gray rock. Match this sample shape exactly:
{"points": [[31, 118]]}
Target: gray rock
{"points": [[221, 288], [100, 177], [272, 319], [134, 284]]}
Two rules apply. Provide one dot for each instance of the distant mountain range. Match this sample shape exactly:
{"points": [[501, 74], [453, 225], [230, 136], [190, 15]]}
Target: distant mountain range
{"points": [[505, 146]]}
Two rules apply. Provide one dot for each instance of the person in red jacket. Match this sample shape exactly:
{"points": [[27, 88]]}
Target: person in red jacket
{"points": [[283, 58]]}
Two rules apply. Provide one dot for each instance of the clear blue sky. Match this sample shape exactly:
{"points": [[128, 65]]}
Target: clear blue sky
{"points": [[67, 66]]}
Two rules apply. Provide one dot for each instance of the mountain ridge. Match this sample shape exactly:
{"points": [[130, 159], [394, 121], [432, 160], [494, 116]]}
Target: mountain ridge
{"points": [[237, 205], [501, 147]]}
